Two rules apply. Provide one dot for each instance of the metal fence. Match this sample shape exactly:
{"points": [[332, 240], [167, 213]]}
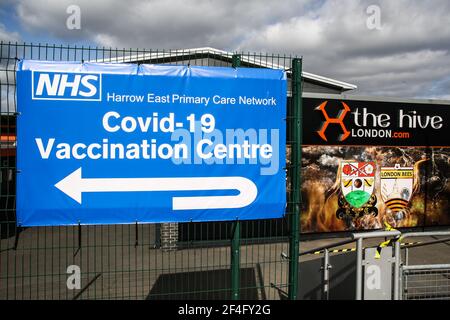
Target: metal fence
{"points": [[426, 282], [247, 259], [430, 281], [343, 270]]}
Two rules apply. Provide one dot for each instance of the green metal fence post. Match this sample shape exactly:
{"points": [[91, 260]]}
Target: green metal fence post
{"points": [[236, 237], [296, 155], [235, 260]]}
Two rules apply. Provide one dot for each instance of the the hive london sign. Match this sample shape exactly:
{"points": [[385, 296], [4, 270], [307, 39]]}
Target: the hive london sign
{"points": [[126, 143]]}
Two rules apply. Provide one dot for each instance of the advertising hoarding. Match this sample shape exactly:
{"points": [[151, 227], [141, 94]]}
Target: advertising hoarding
{"points": [[366, 162]]}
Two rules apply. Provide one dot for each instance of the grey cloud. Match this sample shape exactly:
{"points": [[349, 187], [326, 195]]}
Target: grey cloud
{"points": [[158, 23], [408, 57], [7, 36], [405, 58]]}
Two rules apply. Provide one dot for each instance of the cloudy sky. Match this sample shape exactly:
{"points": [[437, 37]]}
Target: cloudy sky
{"points": [[393, 48]]}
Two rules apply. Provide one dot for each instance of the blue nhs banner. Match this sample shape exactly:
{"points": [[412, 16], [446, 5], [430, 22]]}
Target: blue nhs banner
{"points": [[101, 143]]}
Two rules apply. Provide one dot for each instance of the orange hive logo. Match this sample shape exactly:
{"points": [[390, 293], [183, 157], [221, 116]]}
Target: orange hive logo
{"points": [[339, 120]]}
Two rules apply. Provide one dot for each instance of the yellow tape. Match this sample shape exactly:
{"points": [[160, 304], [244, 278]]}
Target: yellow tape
{"points": [[354, 249], [389, 242]]}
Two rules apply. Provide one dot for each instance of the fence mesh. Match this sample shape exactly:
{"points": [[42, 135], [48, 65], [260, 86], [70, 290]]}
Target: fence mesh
{"points": [[145, 261], [426, 284]]}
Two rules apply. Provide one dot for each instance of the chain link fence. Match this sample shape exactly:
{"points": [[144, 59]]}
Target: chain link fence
{"points": [[145, 261]]}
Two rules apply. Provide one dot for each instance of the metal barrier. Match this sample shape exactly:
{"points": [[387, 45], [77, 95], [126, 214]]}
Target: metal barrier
{"points": [[326, 265], [399, 279], [359, 237], [147, 261], [426, 282], [423, 282], [360, 261]]}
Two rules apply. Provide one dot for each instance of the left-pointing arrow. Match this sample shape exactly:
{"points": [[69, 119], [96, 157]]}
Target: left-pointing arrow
{"points": [[74, 185]]}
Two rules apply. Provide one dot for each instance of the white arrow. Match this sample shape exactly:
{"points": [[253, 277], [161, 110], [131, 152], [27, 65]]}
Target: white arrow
{"points": [[74, 186]]}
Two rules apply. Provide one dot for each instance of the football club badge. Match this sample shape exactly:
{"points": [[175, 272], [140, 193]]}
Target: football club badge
{"points": [[357, 182], [396, 186]]}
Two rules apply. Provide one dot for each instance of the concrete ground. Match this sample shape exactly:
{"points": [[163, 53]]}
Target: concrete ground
{"points": [[112, 266]]}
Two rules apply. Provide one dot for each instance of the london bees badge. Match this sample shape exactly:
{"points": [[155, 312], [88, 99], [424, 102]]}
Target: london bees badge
{"points": [[357, 189], [396, 187]]}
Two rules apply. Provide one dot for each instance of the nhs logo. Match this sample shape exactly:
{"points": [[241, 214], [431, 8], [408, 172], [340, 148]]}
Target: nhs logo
{"points": [[66, 86]]}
